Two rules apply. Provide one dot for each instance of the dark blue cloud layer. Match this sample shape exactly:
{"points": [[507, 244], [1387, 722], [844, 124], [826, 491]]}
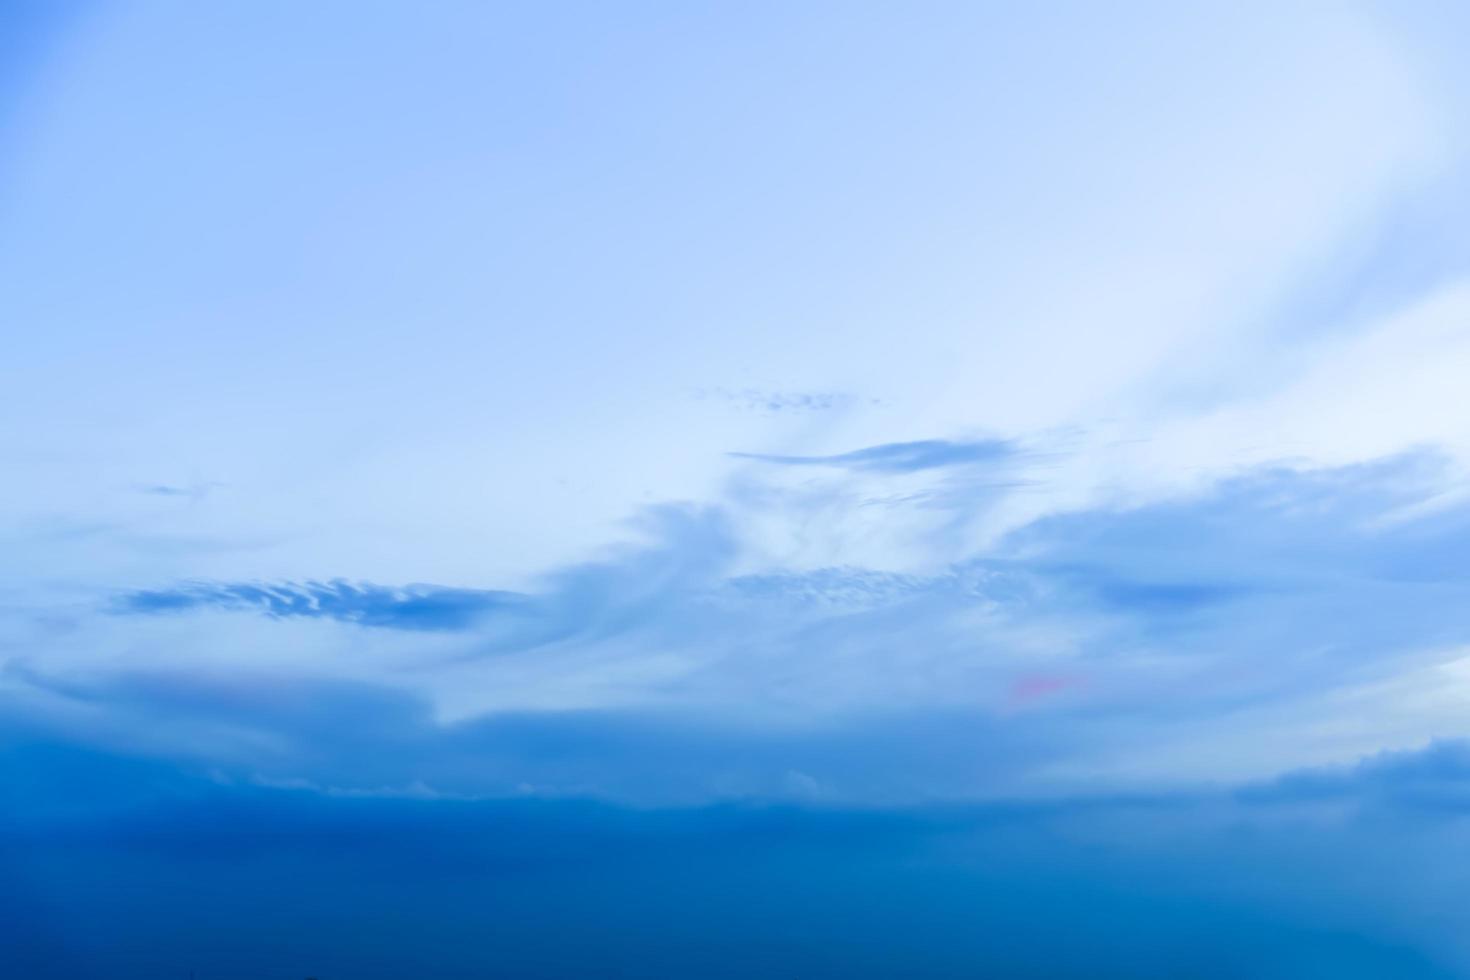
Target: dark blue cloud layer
{"points": [[126, 869], [357, 737]]}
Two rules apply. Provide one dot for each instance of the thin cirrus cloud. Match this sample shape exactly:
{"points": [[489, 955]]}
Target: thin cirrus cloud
{"points": [[413, 607], [901, 457]]}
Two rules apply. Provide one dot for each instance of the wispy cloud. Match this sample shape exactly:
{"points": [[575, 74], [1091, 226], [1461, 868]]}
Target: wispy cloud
{"points": [[775, 401], [902, 457], [193, 491], [412, 607]]}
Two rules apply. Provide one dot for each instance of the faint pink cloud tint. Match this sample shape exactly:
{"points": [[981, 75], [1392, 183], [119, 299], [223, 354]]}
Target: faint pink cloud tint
{"points": [[1028, 689]]}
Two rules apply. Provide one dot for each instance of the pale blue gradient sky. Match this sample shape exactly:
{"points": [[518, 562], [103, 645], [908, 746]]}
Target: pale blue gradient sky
{"points": [[1088, 380]]}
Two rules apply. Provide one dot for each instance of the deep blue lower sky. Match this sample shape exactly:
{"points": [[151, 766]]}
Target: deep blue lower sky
{"points": [[127, 869]]}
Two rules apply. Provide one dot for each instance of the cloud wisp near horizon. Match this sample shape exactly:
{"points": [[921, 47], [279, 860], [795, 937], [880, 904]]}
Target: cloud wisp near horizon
{"points": [[953, 475], [1282, 619]]}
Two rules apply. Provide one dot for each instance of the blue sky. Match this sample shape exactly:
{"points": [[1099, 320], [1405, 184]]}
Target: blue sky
{"points": [[994, 462]]}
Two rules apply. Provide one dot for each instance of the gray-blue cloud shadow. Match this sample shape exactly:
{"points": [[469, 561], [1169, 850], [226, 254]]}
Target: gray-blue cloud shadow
{"points": [[1293, 576]]}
